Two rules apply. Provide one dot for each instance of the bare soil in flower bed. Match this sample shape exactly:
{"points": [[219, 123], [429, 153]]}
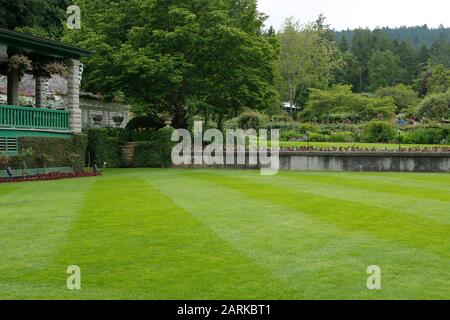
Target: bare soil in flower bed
{"points": [[51, 176]]}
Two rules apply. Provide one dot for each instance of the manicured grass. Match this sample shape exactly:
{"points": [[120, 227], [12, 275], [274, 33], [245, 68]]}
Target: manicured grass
{"points": [[377, 146], [218, 234]]}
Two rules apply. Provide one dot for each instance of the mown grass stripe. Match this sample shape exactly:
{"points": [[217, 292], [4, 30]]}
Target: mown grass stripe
{"points": [[381, 222], [317, 258], [132, 241], [34, 226]]}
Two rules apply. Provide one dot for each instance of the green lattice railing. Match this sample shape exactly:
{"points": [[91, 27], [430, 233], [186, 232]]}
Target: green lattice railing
{"points": [[33, 118]]}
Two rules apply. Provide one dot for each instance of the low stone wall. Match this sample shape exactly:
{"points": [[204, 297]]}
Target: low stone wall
{"points": [[377, 161], [365, 161]]}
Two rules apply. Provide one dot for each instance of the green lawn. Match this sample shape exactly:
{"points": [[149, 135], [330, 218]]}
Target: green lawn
{"points": [[212, 234]]}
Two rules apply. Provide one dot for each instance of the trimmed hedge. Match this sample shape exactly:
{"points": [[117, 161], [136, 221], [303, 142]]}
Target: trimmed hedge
{"points": [[103, 148], [156, 152], [53, 152]]}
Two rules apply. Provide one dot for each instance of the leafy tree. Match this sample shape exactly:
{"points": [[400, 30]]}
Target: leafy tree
{"points": [[408, 62], [435, 106], [439, 81], [179, 56], [381, 41], [384, 69], [348, 73], [362, 49], [341, 104], [440, 51], [433, 79], [404, 96], [308, 58], [343, 44], [423, 55], [38, 17]]}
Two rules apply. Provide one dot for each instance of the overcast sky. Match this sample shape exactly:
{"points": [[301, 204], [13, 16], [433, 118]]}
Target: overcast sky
{"points": [[343, 14]]}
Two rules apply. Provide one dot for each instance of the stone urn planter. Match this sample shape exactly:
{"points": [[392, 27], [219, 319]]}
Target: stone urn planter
{"points": [[118, 120], [97, 119]]}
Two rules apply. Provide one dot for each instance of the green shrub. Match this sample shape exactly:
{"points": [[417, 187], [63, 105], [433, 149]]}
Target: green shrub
{"points": [[156, 152], [145, 122], [252, 120], [342, 137], [435, 106], [317, 137], [379, 131], [103, 149], [291, 135], [307, 127], [426, 136]]}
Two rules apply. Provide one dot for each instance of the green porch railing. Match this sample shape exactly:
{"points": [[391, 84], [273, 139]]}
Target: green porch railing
{"points": [[33, 118]]}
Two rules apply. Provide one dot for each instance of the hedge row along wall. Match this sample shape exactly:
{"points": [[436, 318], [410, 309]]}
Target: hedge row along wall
{"points": [[60, 152], [156, 152], [103, 149]]}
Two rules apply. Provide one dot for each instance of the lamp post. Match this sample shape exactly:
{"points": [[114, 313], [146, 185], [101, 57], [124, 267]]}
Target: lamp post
{"points": [[401, 122], [307, 139]]}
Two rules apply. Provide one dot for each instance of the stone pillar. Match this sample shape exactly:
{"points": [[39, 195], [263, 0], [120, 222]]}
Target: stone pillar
{"points": [[13, 87], [73, 94], [41, 92]]}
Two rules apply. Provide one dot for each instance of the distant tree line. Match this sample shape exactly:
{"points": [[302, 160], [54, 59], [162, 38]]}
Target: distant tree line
{"points": [[417, 36], [374, 59]]}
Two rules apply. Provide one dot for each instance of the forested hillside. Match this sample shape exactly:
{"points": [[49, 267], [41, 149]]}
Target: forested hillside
{"points": [[417, 36]]}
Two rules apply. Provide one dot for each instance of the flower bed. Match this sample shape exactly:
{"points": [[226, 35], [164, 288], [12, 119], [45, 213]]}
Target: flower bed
{"points": [[443, 149], [51, 176]]}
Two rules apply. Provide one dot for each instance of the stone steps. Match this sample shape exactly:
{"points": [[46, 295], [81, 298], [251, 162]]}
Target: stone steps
{"points": [[128, 153]]}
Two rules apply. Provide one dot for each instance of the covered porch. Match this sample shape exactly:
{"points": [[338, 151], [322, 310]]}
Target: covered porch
{"points": [[25, 54]]}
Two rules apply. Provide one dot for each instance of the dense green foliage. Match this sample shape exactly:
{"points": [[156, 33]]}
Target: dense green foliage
{"points": [[156, 151], [38, 17], [374, 59], [435, 106], [50, 152], [404, 96], [145, 122], [426, 135], [307, 59], [179, 57], [340, 103], [379, 131], [103, 149]]}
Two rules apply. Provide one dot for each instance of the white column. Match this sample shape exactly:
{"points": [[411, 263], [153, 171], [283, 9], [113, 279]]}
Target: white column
{"points": [[73, 95]]}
